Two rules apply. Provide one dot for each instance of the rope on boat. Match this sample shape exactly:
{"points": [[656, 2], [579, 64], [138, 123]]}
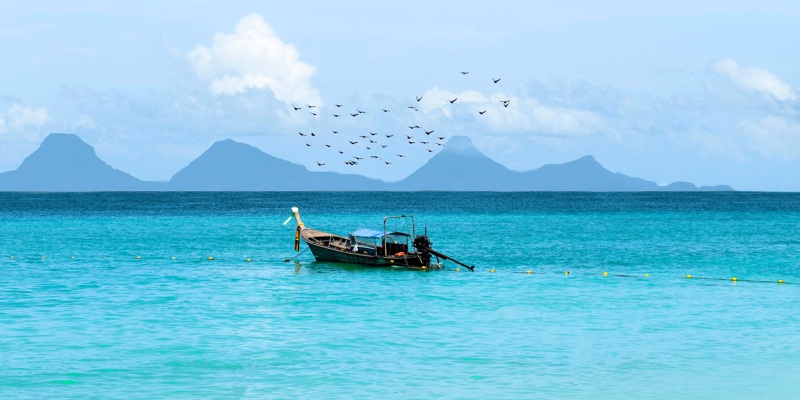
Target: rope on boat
{"points": [[298, 255]]}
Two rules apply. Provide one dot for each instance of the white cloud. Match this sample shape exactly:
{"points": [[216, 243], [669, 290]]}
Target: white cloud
{"points": [[567, 121], [522, 113], [439, 99], [19, 116], [755, 80], [772, 137], [254, 57]]}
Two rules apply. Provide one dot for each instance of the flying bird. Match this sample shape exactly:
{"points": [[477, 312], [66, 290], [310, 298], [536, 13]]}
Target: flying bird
{"points": [[314, 114], [335, 132], [464, 72], [384, 145], [308, 145], [408, 143], [351, 142], [400, 155], [409, 137], [296, 108], [386, 162], [362, 136], [496, 80], [388, 136], [372, 141], [312, 134], [373, 133], [301, 133], [441, 137], [428, 132], [384, 110], [336, 115], [338, 105], [424, 142], [327, 145], [359, 158], [430, 151], [310, 106], [419, 98], [413, 108], [341, 152], [374, 157], [320, 164], [481, 112], [361, 112], [453, 101], [368, 148]]}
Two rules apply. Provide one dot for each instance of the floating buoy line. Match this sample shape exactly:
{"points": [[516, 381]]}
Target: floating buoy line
{"points": [[458, 269]]}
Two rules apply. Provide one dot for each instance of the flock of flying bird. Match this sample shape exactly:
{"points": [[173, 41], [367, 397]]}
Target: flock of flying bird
{"points": [[375, 142]]}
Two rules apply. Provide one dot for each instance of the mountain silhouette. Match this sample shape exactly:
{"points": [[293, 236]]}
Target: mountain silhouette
{"points": [[65, 163], [459, 166], [584, 174], [232, 166]]}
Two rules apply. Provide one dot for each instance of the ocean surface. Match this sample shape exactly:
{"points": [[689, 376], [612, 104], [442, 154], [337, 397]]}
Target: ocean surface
{"points": [[113, 295]]}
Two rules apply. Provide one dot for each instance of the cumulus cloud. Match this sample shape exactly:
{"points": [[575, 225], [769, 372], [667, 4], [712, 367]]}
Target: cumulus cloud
{"points": [[772, 137], [254, 57], [20, 116], [755, 79], [523, 114]]}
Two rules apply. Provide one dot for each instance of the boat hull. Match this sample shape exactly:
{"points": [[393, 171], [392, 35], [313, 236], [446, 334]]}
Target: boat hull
{"points": [[326, 253]]}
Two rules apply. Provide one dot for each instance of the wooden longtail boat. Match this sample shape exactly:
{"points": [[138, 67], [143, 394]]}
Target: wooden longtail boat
{"points": [[387, 248]]}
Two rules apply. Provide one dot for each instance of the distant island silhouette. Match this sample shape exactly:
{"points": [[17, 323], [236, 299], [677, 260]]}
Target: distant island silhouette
{"points": [[65, 163]]}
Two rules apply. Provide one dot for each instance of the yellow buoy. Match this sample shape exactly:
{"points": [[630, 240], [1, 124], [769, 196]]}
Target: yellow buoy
{"points": [[458, 269], [646, 275], [733, 279], [71, 256], [210, 258], [491, 270], [780, 281], [12, 256], [42, 257], [528, 272], [605, 273], [391, 261], [688, 277], [138, 257], [566, 272], [173, 258], [249, 260], [424, 267]]}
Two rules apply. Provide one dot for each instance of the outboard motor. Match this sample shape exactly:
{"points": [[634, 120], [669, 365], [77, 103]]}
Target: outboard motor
{"points": [[423, 245]]}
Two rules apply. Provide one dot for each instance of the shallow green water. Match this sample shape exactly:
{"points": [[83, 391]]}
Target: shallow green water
{"points": [[91, 320]]}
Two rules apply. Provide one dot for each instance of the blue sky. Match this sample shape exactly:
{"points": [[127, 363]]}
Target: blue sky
{"points": [[705, 92]]}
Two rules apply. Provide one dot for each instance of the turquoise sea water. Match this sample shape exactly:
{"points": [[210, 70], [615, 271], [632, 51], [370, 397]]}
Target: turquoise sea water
{"points": [[90, 320]]}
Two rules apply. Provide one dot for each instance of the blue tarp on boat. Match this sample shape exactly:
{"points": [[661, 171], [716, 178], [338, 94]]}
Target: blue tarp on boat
{"points": [[371, 233], [367, 233]]}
